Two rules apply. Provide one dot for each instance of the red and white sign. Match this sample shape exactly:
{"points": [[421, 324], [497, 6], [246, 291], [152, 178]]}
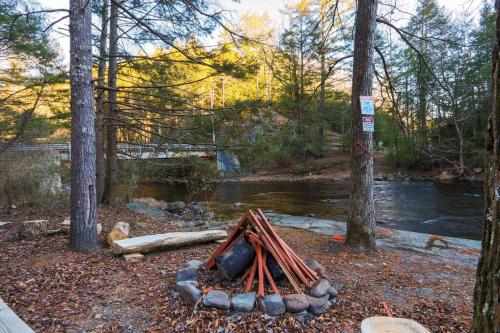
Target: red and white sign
{"points": [[368, 124]]}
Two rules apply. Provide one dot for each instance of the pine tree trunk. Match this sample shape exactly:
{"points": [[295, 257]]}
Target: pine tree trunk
{"points": [[321, 108], [83, 231], [487, 290], [322, 92], [112, 165], [99, 119], [361, 217]]}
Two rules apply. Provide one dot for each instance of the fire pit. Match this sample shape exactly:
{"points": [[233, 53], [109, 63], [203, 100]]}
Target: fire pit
{"points": [[255, 252]]}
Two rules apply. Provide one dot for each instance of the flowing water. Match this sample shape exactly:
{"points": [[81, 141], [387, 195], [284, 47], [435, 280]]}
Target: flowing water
{"points": [[448, 209]]}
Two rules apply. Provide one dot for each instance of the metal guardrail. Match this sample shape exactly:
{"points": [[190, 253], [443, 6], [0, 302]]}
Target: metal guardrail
{"points": [[226, 162], [120, 146]]}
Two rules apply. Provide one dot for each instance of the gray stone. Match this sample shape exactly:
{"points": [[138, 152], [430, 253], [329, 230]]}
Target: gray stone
{"points": [[272, 305], [237, 204], [176, 206], [187, 274], [188, 291], [163, 272], [296, 302], [142, 208], [2, 224], [317, 267], [217, 299], [332, 292], [197, 209], [320, 288], [318, 305], [243, 302], [196, 264], [304, 318]]}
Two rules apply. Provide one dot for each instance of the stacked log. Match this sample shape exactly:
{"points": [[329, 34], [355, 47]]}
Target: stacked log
{"points": [[254, 250]]}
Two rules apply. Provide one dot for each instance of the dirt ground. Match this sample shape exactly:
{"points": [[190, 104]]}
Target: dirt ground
{"points": [[56, 290]]}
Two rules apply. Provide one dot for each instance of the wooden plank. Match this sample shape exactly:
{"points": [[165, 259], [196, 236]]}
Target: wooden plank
{"points": [[10, 322], [164, 241]]}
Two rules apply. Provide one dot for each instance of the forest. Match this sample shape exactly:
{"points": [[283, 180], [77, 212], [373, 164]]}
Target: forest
{"points": [[363, 132]]}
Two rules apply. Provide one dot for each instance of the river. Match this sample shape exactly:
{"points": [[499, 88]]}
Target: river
{"points": [[448, 209]]}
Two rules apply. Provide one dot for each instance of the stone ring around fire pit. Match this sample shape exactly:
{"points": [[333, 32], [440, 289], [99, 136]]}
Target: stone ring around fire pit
{"points": [[254, 252], [320, 297]]}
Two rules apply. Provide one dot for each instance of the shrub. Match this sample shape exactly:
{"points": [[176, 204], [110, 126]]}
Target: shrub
{"points": [[30, 179]]}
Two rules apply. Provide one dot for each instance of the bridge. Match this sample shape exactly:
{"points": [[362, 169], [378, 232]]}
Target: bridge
{"points": [[226, 162]]}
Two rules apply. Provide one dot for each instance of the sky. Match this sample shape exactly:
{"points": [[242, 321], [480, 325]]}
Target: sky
{"points": [[272, 8]]}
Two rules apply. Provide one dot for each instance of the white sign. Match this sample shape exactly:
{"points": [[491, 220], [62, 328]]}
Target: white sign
{"points": [[368, 124], [367, 105]]}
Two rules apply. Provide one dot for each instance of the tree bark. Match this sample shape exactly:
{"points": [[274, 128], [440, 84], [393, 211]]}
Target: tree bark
{"points": [[361, 217], [321, 108], [487, 290], [99, 119], [111, 162], [322, 92], [83, 233]]}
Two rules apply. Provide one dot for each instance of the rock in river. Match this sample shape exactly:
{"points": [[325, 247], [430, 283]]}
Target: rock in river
{"points": [[145, 209], [176, 206]]}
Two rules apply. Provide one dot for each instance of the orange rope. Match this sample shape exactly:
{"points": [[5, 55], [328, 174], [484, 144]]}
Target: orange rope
{"points": [[365, 149]]}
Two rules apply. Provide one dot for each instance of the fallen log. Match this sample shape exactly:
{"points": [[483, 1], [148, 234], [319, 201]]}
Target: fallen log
{"points": [[164, 241]]}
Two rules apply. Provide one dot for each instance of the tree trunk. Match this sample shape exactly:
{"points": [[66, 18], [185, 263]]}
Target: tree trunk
{"points": [[99, 118], [112, 165], [361, 217], [461, 163], [322, 91], [83, 234], [487, 290], [321, 108]]}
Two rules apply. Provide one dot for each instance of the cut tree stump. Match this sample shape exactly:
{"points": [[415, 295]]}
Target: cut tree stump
{"points": [[33, 229], [67, 222], [164, 241]]}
